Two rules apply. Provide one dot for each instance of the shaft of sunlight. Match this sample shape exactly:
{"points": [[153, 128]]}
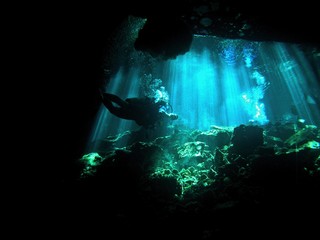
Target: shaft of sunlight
{"points": [[124, 84], [221, 82]]}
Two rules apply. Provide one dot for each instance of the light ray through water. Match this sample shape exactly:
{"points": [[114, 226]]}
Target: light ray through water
{"points": [[225, 83]]}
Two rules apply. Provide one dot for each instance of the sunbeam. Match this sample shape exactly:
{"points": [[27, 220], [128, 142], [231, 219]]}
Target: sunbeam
{"points": [[220, 82]]}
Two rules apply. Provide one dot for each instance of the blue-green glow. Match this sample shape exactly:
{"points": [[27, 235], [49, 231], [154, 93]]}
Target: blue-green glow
{"points": [[221, 82], [218, 85], [91, 159]]}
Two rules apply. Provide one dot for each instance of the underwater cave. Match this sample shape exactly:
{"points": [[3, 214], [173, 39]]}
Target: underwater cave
{"points": [[246, 142], [243, 157]]}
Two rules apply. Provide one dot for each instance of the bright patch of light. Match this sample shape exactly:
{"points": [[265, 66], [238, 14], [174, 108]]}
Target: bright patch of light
{"points": [[91, 159], [313, 145]]}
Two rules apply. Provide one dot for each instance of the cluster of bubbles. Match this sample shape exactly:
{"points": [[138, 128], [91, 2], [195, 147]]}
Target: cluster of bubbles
{"points": [[252, 99], [153, 88]]}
